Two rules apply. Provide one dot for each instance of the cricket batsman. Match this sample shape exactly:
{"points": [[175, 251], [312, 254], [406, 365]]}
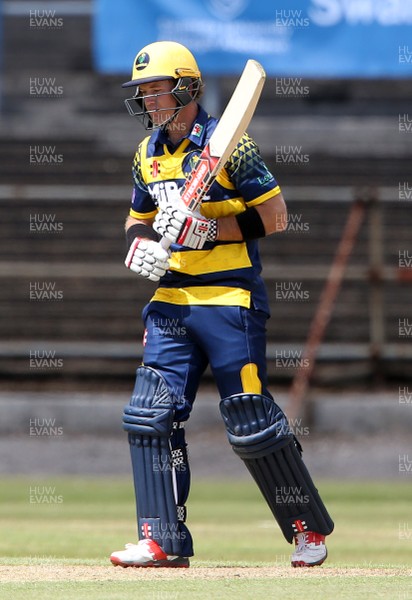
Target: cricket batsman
{"points": [[209, 308]]}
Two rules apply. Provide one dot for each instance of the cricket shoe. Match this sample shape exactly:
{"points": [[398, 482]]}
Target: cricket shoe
{"points": [[146, 553], [310, 549]]}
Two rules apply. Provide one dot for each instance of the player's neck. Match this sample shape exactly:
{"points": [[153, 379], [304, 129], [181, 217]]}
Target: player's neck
{"points": [[180, 127]]}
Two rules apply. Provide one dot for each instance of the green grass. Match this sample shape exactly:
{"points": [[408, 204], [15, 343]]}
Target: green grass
{"points": [[231, 526], [312, 589]]}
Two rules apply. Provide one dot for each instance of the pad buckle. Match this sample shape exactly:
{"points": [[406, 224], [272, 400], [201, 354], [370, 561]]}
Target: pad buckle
{"points": [[299, 526]]}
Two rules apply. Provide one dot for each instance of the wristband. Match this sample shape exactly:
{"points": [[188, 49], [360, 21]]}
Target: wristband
{"points": [[250, 224], [141, 231], [213, 230]]}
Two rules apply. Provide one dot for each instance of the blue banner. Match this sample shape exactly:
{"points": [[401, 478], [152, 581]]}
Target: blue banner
{"points": [[302, 38]]}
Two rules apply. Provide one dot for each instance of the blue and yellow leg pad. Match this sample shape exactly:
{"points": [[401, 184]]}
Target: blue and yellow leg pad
{"points": [[148, 419], [260, 435]]}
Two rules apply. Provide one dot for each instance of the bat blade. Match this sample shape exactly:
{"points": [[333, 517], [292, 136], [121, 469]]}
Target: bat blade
{"points": [[230, 128]]}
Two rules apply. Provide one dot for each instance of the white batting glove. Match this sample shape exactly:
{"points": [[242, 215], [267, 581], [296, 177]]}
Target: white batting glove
{"points": [[185, 228], [148, 259]]}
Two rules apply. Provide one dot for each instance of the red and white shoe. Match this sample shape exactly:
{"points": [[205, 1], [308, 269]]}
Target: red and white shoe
{"points": [[310, 549], [146, 553]]}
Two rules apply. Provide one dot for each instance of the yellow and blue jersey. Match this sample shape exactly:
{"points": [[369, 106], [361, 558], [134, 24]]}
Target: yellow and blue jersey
{"points": [[221, 273]]}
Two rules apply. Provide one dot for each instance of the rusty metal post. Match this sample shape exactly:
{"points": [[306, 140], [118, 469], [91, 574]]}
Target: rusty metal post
{"points": [[376, 279], [323, 313]]}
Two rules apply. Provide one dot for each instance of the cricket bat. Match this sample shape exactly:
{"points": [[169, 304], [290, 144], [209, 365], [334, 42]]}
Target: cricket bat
{"points": [[230, 128]]}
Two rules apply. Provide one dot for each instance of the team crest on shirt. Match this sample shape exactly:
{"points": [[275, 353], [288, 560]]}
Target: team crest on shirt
{"points": [[197, 130], [189, 163]]}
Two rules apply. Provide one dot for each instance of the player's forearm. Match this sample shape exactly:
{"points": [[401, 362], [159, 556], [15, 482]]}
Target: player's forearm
{"points": [[273, 215], [228, 230]]}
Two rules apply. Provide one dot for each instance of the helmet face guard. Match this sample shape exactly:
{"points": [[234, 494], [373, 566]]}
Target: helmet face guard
{"points": [[185, 90]]}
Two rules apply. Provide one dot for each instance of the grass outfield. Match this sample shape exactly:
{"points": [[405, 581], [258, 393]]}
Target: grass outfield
{"points": [[57, 534]]}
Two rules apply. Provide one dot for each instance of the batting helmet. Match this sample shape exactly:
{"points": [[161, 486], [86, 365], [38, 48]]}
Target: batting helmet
{"points": [[159, 61]]}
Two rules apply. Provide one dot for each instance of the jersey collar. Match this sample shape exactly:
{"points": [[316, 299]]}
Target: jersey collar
{"points": [[198, 130], [197, 133]]}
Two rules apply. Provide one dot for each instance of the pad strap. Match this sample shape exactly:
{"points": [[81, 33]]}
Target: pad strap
{"points": [[144, 421]]}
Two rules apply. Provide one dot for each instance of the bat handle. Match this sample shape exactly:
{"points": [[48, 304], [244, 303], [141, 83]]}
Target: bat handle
{"points": [[165, 243]]}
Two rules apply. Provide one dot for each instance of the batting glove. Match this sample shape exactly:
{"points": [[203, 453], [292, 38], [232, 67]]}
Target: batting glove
{"points": [[185, 228], [148, 259]]}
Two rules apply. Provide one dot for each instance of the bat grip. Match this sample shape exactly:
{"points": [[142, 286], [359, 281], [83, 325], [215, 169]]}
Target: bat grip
{"points": [[165, 243]]}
